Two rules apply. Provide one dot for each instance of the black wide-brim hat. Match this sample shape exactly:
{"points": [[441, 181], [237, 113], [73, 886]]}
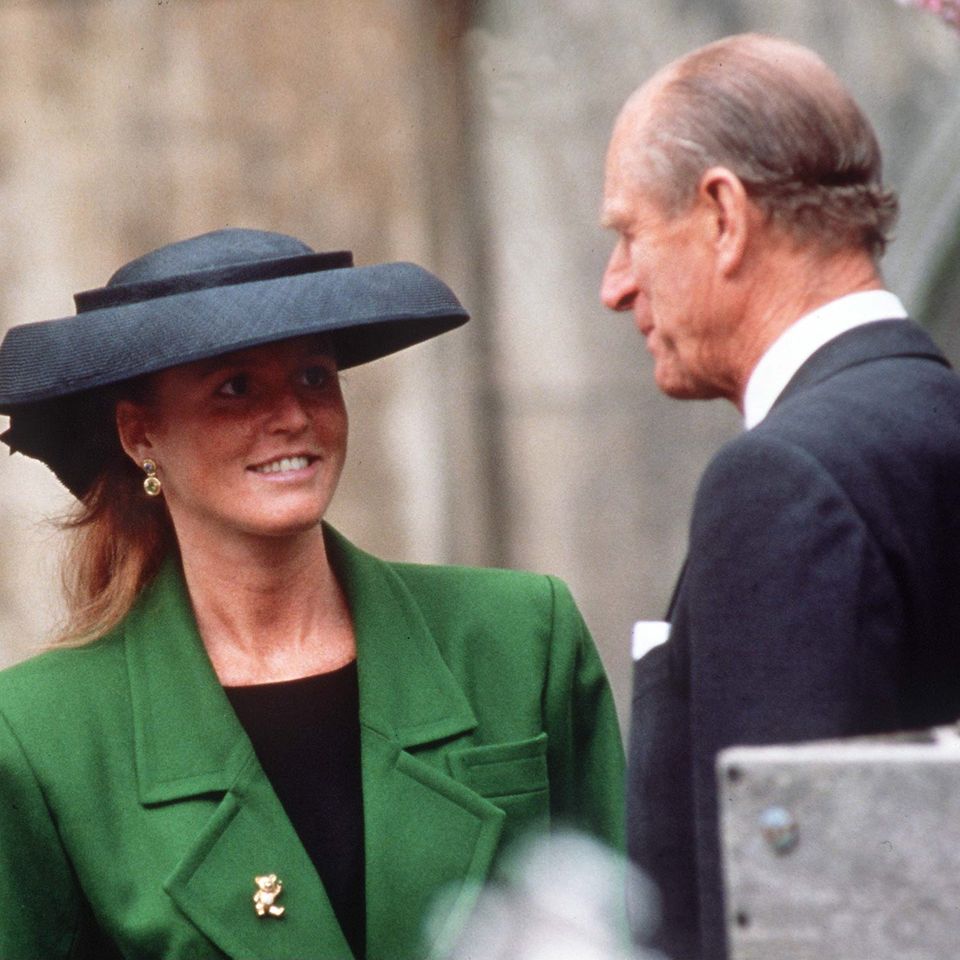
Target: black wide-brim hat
{"points": [[198, 298]]}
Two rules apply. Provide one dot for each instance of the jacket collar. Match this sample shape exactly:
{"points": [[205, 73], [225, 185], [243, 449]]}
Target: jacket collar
{"points": [[411, 696], [802, 338], [188, 739], [189, 745], [872, 341]]}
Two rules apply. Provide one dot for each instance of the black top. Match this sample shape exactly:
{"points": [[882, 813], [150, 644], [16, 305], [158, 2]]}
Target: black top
{"points": [[306, 734]]}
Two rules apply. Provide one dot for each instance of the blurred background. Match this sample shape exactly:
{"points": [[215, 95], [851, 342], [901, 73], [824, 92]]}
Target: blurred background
{"points": [[468, 137]]}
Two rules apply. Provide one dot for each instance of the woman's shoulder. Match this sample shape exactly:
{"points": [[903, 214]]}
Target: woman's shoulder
{"points": [[464, 594], [60, 681], [499, 585], [448, 583], [498, 579], [496, 601]]}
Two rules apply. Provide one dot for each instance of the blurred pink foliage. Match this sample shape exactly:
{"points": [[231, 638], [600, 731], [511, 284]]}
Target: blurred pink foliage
{"points": [[949, 10]]}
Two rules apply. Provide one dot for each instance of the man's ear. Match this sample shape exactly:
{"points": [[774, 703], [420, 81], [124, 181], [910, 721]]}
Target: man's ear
{"points": [[132, 429], [732, 215]]}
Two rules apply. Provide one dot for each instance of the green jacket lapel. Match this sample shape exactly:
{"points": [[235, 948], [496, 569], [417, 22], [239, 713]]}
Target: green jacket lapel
{"points": [[425, 832], [407, 692], [249, 836], [191, 748]]}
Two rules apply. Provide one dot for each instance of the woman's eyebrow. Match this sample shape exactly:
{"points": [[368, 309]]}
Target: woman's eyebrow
{"points": [[205, 370], [211, 365]]}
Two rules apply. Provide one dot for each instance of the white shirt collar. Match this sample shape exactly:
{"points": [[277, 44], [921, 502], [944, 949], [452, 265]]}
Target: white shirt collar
{"points": [[804, 337]]}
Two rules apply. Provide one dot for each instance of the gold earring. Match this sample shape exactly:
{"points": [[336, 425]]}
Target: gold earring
{"points": [[151, 485]]}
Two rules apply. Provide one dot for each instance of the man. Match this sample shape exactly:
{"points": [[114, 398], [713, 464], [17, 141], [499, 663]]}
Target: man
{"points": [[821, 593]]}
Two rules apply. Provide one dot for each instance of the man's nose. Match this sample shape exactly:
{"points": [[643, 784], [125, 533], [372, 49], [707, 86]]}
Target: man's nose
{"points": [[618, 290]]}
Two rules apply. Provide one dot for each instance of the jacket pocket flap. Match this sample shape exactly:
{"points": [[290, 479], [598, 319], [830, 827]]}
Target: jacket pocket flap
{"points": [[503, 769]]}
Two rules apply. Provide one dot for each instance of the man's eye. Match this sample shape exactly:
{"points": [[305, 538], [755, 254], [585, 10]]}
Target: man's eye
{"points": [[235, 387], [315, 376]]}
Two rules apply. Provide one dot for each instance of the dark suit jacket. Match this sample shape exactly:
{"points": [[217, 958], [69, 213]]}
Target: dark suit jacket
{"points": [[820, 598], [134, 814]]}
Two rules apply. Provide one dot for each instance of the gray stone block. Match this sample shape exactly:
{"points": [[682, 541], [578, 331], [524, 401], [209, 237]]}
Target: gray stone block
{"points": [[847, 849]]}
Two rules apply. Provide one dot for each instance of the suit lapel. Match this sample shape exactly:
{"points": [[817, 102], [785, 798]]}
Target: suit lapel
{"points": [[424, 831], [190, 748]]}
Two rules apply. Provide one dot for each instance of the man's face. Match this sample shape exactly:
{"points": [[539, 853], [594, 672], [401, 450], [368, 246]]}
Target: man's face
{"points": [[661, 269]]}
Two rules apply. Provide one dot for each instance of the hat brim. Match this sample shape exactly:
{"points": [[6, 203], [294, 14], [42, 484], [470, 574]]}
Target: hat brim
{"points": [[49, 370], [368, 312]]}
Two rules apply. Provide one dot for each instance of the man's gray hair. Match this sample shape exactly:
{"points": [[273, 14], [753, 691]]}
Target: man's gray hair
{"points": [[777, 117]]}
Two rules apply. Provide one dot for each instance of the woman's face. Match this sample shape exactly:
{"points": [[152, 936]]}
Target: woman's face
{"points": [[251, 442]]}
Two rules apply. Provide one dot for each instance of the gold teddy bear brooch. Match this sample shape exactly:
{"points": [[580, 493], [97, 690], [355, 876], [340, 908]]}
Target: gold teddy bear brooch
{"points": [[269, 887]]}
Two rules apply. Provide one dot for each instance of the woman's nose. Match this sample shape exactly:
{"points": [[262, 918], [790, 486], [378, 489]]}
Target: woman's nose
{"points": [[287, 411]]}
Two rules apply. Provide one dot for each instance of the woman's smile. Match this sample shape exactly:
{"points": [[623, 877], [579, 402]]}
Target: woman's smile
{"points": [[292, 466]]}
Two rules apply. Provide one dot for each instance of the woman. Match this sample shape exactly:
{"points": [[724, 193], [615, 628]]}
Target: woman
{"points": [[257, 740]]}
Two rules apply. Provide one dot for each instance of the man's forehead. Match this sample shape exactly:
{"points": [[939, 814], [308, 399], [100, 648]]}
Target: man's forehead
{"points": [[632, 127], [615, 211], [623, 180], [640, 109], [626, 163]]}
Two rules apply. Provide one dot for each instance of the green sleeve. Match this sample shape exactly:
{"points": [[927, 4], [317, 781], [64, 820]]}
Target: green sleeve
{"points": [[41, 910], [585, 752]]}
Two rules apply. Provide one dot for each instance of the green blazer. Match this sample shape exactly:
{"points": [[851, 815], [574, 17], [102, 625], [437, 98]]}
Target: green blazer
{"points": [[134, 815]]}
